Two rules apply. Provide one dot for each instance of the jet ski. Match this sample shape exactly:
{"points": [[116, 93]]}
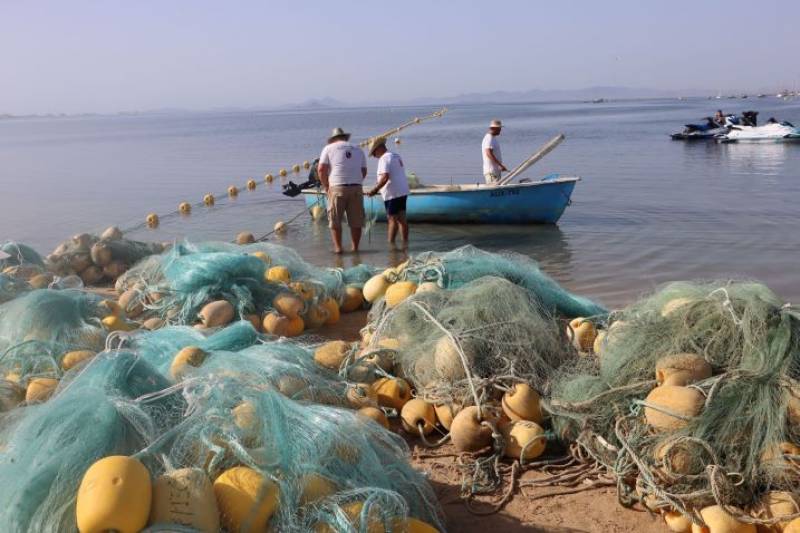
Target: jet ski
{"points": [[772, 131], [709, 130]]}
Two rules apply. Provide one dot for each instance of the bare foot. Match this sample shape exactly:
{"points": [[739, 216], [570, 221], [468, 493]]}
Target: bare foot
{"points": [[337, 251]]}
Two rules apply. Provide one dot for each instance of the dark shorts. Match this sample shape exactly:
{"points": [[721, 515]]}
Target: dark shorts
{"points": [[395, 206]]}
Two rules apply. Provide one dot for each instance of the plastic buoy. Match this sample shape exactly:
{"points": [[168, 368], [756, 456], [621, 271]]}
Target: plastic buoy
{"points": [[288, 304], [375, 288], [332, 308], [268, 178], [315, 488], [375, 414], [361, 395], [40, 389], [246, 499], [283, 172], [523, 435], [306, 165], [399, 292], [685, 402], [208, 199], [185, 208], [186, 497], [332, 354], [415, 413], [217, 313], [296, 168], [522, 402], [718, 520], [251, 184], [152, 220], [317, 212], [582, 332], [114, 495], [186, 359], [304, 290], [263, 256], [682, 369], [116, 323], [233, 191], [392, 392], [111, 233], [245, 237], [73, 358], [280, 227], [279, 274], [353, 299], [468, 433]]}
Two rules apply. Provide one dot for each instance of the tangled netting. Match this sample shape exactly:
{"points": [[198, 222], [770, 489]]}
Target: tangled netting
{"points": [[39, 327], [19, 254], [462, 265], [189, 275], [738, 446], [461, 346], [255, 404], [11, 287]]}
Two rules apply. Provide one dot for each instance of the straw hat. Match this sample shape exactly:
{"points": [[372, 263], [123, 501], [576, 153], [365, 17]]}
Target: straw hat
{"points": [[375, 143], [496, 124], [338, 132]]}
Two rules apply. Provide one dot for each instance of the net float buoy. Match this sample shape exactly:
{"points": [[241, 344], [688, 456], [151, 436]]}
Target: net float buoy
{"points": [[417, 120], [445, 414], [719, 521], [130, 303], [675, 305], [268, 178], [116, 323], [392, 392], [288, 305], [82, 241], [683, 458], [467, 432], [375, 414], [209, 200], [251, 184], [186, 497], [398, 292], [74, 358], [447, 360], [418, 415], [40, 390], [41, 281], [375, 288], [353, 299], [332, 354], [379, 359], [217, 313], [263, 256], [682, 369], [360, 395], [115, 494], [185, 360], [233, 191], [522, 402], [332, 308], [304, 290], [111, 233], [114, 269], [246, 499], [278, 274], [599, 341], [152, 324], [255, 320], [152, 220], [282, 326], [793, 526], [306, 165], [317, 212], [185, 208], [315, 317], [414, 525], [777, 504], [672, 407], [523, 435], [677, 523], [280, 227], [582, 333], [282, 172], [245, 237], [315, 488], [296, 168], [91, 275]]}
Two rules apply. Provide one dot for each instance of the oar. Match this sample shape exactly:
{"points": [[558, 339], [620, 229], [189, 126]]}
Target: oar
{"points": [[540, 153]]}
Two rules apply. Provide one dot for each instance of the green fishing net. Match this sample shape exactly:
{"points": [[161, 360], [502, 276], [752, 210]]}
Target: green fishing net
{"points": [[735, 448], [11, 287], [20, 254]]}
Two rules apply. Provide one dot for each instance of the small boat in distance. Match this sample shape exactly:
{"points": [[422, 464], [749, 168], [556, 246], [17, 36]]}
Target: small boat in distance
{"points": [[524, 202]]}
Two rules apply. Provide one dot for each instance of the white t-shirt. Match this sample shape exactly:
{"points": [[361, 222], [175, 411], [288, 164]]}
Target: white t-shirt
{"points": [[397, 186], [346, 161], [490, 141]]}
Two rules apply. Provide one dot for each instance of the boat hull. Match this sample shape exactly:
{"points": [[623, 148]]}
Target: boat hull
{"points": [[525, 203]]}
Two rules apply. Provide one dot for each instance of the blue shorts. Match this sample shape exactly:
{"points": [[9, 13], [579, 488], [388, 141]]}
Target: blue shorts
{"points": [[395, 206]]}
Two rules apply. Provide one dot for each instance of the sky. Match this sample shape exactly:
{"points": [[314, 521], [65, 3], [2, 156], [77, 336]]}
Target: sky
{"points": [[73, 56]]}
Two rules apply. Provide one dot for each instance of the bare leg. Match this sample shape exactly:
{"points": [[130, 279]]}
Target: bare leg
{"points": [[401, 219], [392, 221], [355, 236], [336, 235]]}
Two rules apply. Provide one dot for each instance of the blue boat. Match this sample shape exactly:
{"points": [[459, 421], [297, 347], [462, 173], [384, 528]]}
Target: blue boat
{"points": [[525, 202]]}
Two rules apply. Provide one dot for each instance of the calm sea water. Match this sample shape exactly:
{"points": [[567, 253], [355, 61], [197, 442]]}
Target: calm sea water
{"points": [[649, 210]]}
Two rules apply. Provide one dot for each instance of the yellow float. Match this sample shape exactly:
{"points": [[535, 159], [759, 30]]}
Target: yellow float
{"points": [[468, 433], [375, 288], [332, 354], [185, 360], [582, 333], [719, 521], [217, 313], [209, 200], [114, 495], [152, 220], [72, 359], [233, 191], [398, 292], [375, 414], [288, 305], [251, 185], [246, 499], [263, 256], [669, 407], [332, 308], [245, 237], [682, 369], [185, 208], [278, 274], [392, 392], [268, 178], [522, 402], [523, 435], [40, 390], [418, 415], [315, 488]]}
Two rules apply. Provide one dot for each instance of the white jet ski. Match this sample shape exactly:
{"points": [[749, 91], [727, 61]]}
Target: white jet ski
{"points": [[772, 131]]}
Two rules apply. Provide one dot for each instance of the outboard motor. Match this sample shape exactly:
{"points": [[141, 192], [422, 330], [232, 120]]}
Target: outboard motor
{"points": [[292, 189]]}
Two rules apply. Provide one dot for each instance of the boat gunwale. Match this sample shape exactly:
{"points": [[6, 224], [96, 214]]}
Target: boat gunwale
{"points": [[474, 187]]}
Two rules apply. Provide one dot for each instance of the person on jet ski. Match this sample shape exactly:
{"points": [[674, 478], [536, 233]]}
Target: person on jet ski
{"points": [[719, 118]]}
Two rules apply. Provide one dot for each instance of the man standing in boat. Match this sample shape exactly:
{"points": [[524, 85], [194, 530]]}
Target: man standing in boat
{"points": [[393, 186], [342, 169], [492, 158]]}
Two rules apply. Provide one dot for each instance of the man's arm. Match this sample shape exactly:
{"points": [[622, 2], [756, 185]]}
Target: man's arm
{"points": [[323, 171], [382, 181], [490, 155]]}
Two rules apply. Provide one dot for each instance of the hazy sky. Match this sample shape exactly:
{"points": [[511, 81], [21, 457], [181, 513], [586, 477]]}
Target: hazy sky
{"points": [[105, 55]]}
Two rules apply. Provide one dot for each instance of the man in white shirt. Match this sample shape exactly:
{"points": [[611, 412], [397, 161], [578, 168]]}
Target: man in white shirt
{"points": [[492, 158], [393, 186], [342, 169]]}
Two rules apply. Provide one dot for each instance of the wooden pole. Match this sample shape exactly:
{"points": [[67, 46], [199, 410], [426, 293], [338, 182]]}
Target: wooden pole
{"points": [[540, 153]]}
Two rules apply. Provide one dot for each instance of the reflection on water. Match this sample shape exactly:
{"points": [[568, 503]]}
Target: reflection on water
{"points": [[648, 209]]}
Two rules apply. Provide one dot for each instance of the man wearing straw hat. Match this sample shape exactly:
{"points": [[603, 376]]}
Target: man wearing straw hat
{"points": [[492, 158], [393, 186], [342, 169]]}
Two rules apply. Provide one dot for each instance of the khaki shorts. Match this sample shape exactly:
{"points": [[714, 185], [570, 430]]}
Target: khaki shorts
{"points": [[346, 201], [491, 178]]}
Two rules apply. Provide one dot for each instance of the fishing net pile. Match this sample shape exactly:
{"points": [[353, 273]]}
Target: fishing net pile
{"points": [[99, 258], [692, 402], [266, 283], [206, 432]]}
